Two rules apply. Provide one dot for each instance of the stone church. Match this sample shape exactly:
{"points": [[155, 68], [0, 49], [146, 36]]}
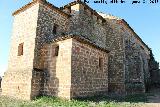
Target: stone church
{"points": [[73, 51]]}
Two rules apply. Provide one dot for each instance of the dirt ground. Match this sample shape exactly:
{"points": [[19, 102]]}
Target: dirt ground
{"points": [[153, 98]]}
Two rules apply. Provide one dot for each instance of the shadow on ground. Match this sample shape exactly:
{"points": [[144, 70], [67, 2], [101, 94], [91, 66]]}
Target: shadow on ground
{"points": [[151, 99], [136, 98], [154, 96]]}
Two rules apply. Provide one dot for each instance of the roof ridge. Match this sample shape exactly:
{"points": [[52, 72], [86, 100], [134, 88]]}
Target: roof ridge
{"points": [[38, 1], [79, 38]]}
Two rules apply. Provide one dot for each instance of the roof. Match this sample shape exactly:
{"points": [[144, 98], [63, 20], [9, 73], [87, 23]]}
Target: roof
{"points": [[86, 6], [104, 16], [99, 15], [111, 17], [136, 35], [80, 39], [108, 16], [30, 4]]}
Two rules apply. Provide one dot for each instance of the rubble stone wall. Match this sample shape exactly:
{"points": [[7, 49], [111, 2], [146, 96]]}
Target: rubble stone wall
{"points": [[116, 67], [136, 64], [106, 35], [85, 24], [80, 69], [47, 19], [88, 78]]}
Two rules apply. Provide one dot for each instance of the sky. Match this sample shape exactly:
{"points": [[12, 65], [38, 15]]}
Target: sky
{"points": [[144, 18]]}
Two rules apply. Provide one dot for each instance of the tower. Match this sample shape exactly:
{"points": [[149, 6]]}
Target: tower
{"points": [[18, 77]]}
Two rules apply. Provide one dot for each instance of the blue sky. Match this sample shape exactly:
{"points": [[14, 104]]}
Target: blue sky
{"points": [[144, 18]]}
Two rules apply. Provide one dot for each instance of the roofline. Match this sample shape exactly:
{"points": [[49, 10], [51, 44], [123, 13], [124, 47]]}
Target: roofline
{"points": [[136, 34], [23, 8], [87, 6], [80, 39], [65, 14]]}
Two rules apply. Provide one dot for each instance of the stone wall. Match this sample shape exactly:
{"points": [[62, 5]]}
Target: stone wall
{"points": [[48, 17], [134, 71], [115, 42], [17, 79], [75, 72], [85, 23], [136, 64], [37, 82], [57, 69], [131, 53], [154, 71], [17, 84], [79, 69], [89, 74], [24, 31]]}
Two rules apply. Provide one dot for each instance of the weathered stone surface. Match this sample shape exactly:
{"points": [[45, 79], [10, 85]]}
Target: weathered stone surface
{"points": [[116, 69], [57, 78], [17, 84], [17, 79], [88, 78], [79, 68], [154, 71]]}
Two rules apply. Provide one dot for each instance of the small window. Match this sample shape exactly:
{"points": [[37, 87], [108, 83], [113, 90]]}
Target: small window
{"points": [[55, 29], [101, 63], [20, 49], [69, 8], [55, 50]]}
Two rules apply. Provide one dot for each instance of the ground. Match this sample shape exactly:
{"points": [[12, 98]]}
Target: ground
{"points": [[150, 99], [153, 100]]}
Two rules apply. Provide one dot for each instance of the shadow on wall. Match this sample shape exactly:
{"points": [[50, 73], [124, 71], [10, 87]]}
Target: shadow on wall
{"points": [[44, 83], [49, 83], [0, 85], [154, 71], [0, 81]]}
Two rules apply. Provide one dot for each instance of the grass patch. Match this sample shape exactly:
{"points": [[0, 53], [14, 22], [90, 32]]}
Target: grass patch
{"points": [[128, 101]]}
